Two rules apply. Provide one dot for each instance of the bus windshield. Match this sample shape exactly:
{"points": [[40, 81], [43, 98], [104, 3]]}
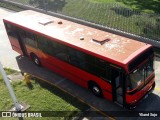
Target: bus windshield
{"points": [[138, 76]]}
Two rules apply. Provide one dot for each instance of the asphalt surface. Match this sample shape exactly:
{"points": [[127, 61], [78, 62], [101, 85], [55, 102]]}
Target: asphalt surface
{"points": [[9, 59]]}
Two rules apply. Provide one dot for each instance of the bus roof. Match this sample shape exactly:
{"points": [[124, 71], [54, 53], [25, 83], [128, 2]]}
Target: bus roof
{"points": [[107, 45]]}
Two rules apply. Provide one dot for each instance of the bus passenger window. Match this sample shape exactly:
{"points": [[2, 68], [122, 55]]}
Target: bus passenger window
{"points": [[77, 58], [105, 74], [10, 30], [101, 63], [61, 52], [42, 44]]}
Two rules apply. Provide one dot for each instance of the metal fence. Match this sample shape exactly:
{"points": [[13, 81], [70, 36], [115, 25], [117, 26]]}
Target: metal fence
{"points": [[114, 16]]}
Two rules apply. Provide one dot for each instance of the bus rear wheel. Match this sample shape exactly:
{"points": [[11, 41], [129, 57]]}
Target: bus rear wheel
{"points": [[35, 59], [96, 90]]}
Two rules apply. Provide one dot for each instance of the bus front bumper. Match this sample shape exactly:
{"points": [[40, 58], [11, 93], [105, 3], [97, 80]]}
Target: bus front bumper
{"points": [[134, 105]]}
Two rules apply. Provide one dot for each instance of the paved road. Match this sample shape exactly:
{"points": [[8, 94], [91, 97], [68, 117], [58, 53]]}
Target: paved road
{"points": [[7, 55]]}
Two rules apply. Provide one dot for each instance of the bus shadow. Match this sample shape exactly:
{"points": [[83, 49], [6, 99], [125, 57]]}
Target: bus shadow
{"points": [[27, 66], [70, 92], [73, 94], [151, 104], [148, 106]]}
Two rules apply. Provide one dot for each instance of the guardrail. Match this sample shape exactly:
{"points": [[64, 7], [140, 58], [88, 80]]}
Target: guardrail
{"points": [[104, 28]]}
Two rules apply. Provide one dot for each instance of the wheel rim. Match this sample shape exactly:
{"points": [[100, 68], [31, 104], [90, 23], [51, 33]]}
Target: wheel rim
{"points": [[36, 61], [96, 90]]}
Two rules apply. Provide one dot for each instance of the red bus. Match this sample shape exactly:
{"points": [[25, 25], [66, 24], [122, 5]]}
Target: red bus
{"points": [[111, 66]]}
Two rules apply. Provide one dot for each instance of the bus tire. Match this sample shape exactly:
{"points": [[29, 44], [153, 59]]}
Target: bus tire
{"points": [[96, 90], [35, 59]]}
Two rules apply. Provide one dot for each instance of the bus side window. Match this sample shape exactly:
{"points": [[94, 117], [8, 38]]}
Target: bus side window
{"points": [[104, 73], [51, 48], [103, 69], [101, 63], [77, 58], [30, 40], [10, 30], [108, 74], [91, 65], [61, 52], [42, 44]]}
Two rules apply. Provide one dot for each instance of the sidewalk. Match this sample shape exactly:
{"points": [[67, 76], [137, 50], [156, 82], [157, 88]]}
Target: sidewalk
{"points": [[7, 55]]}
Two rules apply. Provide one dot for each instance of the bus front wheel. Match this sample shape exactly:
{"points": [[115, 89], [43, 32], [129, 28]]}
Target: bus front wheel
{"points": [[96, 90], [35, 59]]}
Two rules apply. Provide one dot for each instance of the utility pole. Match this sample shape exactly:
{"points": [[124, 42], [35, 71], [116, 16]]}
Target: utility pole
{"points": [[17, 105]]}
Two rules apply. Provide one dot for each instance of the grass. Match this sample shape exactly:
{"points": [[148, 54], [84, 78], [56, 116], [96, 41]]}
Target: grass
{"points": [[125, 15], [11, 7], [103, 1], [113, 15], [147, 6], [10, 71], [42, 97]]}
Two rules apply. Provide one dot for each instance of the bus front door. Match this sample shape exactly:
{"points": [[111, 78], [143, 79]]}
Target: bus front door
{"points": [[117, 87]]}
